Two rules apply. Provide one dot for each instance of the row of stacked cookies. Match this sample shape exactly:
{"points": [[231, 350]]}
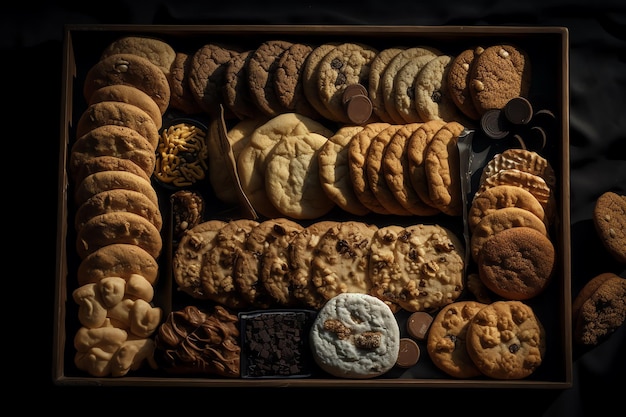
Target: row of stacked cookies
{"points": [[118, 219]]}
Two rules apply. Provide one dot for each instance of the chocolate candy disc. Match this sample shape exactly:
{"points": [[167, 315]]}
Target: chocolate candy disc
{"points": [[493, 124], [353, 90], [518, 111], [359, 108], [409, 353], [418, 324]]}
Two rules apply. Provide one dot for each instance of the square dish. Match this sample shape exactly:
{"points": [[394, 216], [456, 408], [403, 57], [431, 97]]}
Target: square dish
{"points": [[549, 51]]}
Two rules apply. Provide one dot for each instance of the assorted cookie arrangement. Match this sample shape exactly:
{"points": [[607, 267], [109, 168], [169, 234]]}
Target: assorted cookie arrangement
{"points": [[323, 138]]}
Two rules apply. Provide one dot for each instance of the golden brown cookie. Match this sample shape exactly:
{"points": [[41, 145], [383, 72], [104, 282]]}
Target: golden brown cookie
{"points": [[500, 73], [310, 75], [523, 160], [609, 219], [129, 95], [93, 164], [383, 267], [446, 339], [110, 180], [432, 98], [517, 263], [117, 260], [506, 340], [599, 309], [156, 50], [181, 97], [261, 70], [404, 89], [129, 69], [375, 85]]}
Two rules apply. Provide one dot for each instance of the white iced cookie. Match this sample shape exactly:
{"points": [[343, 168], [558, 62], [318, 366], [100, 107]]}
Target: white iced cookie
{"points": [[355, 336]]}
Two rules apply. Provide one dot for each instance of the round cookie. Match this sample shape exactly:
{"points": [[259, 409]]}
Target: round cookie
{"points": [[301, 253], [181, 97], [93, 164], [404, 89], [458, 81], [375, 174], [609, 219], [416, 152], [118, 200], [218, 264], [500, 73], [118, 227], [446, 339], [188, 256], [129, 69], [432, 98], [157, 51], [260, 69], [345, 64], [441, 164], [206, 76], [251, 162], [292, 181], [110, 140], [310, 75], [355, 336], [390, 73], [109, 180], [129, 95], [119, 114], [502, 196], [599, 309], [383, 266], [396, 171], [334, 171], [357, 163], [517, 263], [522, 160], [375, 85], [117, 260], [432, 279], [341, 261], [288, 80], [499, 220], [236, 91], [506, 340]]}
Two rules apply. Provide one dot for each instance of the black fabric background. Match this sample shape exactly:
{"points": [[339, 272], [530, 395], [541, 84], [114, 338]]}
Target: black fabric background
{"points": [[31, 43]]}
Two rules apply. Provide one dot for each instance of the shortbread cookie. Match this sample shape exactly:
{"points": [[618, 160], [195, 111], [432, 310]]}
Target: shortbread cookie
{"points": [[181, 97], [288, 80], [236, 91], [206, 76], [109, 140], [260, 69], [251, 162], [506, 340], [345, 64], [416, 153], [357, 163], [117, 260], [218, 264], [93, 164], [499, 220], [375, 85], [119, 114], [502, 196], [188, 257], [389, 76], [110, 180], [292, 180], [517, 263], [118, 200], [523, 160], [500, 73], [310, 75], [447, 339], [355, 336], [129, 69], [129, 95], [375, 175], [599, 309], [275, 268], [301, 252], [432, 98], [334, 171], [156, 50], [458, 81], [609, 219], [441, 164], [432, 279], [404, 89], [396, 170], [118, 227], [341, 262]]}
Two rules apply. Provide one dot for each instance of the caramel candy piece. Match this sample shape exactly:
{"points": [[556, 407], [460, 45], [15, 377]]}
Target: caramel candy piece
{"points": [[409, 353], [418, 324]]}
